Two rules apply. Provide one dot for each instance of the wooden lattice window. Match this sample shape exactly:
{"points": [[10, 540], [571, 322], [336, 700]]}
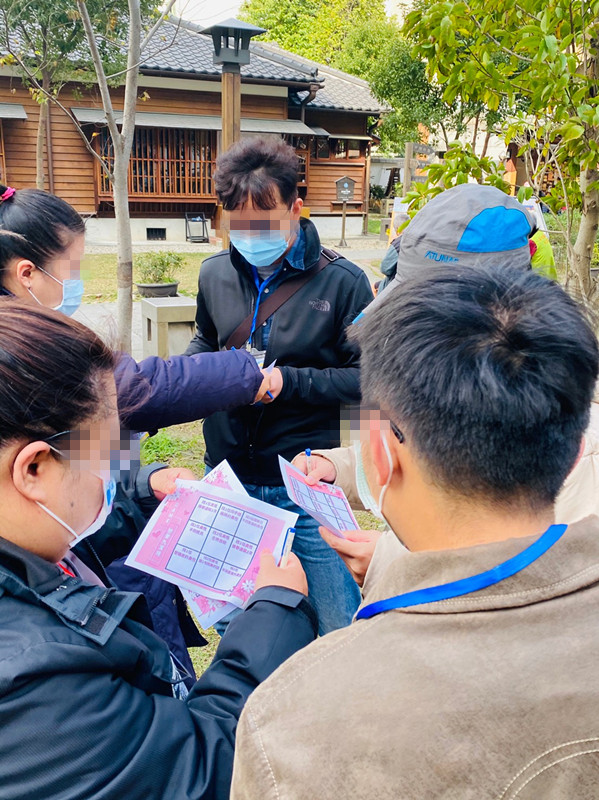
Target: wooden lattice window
{"points": [[3, 178], [165, 163], [301, 146]]}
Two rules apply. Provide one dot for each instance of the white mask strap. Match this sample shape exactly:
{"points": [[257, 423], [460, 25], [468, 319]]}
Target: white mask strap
{"points": [[57, 518], [389, 476]]}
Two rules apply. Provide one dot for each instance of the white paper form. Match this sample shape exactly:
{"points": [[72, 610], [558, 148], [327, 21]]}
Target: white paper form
{"points": [[325, 502], [208, 539], [223, 476], [206, 610]]}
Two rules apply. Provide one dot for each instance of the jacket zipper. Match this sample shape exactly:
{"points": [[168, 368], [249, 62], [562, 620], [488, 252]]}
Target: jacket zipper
{"points": [[95, 602], [98, 600]]}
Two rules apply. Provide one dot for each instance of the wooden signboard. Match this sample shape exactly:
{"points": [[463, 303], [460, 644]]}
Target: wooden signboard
{"points": [[345, 193]]}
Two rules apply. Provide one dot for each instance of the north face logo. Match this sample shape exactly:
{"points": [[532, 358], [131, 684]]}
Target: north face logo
{"points": [[440, 257], [320, 305]]}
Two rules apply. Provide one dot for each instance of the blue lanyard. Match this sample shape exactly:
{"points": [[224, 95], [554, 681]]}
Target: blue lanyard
{"points": [[445, 591], [260, 287]]}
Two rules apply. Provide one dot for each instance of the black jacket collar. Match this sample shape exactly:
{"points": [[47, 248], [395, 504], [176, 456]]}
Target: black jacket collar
{"points": [[38, 574]]}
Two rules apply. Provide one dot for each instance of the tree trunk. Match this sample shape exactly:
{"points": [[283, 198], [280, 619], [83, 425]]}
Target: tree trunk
{"points": [[39, 147], [475, 134], [582, 252], [124, 251], [485, 144]]}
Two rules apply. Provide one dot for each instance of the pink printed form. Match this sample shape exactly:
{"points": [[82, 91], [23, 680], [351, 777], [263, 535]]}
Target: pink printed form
{"points": [[208, 540], [325, 502]]}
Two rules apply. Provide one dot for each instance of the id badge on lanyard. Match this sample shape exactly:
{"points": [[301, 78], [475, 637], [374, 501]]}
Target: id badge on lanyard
{"points": [[474, 583], [257, 354]]}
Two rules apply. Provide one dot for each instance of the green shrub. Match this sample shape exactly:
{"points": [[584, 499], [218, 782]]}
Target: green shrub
{"points": [[159, 267]]}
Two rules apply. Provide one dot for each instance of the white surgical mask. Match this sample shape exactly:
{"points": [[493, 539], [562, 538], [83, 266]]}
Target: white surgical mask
{"points": [[389, 476], [109, 492], [364, 492]]}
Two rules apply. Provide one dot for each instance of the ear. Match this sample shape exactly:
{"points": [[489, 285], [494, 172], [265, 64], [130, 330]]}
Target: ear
{"points": [[32, 467], [297, 206], [380, 459], [23, 272]]}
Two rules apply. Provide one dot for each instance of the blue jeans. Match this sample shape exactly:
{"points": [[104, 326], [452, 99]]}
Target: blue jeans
{"points": [[332, 590]]}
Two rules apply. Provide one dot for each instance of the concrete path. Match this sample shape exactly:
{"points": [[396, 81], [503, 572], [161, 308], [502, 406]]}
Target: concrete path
{"points": [[365, 251], [101, 318]]}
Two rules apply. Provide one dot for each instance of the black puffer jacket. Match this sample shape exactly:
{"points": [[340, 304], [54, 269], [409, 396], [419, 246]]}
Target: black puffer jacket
{"points": [[86, 707], [307, 338]]}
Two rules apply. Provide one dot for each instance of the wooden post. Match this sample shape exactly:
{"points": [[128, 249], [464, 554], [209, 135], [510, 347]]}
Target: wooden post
{"points": [[231, 105], [49, 153], [342, 242], [407, 169], [366, 192], [231, 115]]}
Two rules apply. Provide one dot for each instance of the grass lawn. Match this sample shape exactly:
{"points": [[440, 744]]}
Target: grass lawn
{"points": [[183, 446], [99, 276], [374, 223]]}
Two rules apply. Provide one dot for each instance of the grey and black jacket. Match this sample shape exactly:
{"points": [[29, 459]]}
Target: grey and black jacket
{"points": [[307, 337], [86, 704]]}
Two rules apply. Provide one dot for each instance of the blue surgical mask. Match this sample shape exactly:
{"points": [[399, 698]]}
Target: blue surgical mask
{"points": [[259, 249], [72, 294], [109, 491]]}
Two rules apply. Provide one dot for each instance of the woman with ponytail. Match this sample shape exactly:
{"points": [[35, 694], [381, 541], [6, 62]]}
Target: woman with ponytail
{"points": [[41, 246]]}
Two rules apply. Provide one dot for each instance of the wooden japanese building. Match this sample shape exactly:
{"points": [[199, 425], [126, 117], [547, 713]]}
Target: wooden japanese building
{"points": [[323, 113]]}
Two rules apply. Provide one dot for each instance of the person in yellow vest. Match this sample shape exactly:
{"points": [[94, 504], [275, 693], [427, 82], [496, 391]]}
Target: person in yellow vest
{"points": [[542, 259]]}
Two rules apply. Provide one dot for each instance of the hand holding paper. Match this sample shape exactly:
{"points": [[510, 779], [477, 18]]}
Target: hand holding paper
{"points": [[319, 469], [356, 550], [208, 539], [291, 576], [324, 502]]}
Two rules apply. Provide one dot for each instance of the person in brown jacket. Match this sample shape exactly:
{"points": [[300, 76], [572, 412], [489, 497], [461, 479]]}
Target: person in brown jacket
{"points": [[367, 552], [470, 671]]}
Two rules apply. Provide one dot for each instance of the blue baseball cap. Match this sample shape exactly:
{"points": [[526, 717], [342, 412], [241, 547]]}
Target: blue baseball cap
{"points": [[468, 225]]}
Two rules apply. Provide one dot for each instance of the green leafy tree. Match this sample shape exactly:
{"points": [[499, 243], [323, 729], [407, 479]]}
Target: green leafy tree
{"points": [[45, 41], [89, 41], [316, 29], [541, 59], [357, 37]]}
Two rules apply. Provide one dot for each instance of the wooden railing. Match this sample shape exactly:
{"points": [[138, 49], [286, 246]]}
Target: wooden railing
{"points": [[165, 164]]}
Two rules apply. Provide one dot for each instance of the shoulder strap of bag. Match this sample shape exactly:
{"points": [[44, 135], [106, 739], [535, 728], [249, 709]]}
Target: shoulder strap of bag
{"points": [[280, 296]]}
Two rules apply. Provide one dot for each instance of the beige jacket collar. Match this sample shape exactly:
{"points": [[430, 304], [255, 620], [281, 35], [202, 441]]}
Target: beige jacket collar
{"points": [[571, 564]]}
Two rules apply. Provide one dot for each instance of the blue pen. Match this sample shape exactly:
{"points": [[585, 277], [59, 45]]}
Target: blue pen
{"points": [[308, 460]]}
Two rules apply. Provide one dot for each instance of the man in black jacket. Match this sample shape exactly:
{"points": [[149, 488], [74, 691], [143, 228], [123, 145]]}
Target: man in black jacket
{"points": [[316, 368]]}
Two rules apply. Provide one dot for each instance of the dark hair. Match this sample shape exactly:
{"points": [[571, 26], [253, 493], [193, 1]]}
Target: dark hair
{"points": [[49, 371], [490, 373], [35, 225], [253, 168]]}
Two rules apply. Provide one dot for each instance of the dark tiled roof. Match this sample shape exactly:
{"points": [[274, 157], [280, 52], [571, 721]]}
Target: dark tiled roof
{"points": [[340, 90], [179, 47]]}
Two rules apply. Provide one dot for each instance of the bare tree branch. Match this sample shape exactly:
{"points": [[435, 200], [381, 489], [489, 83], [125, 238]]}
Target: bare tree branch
{"points": [[152, 54], [132, 79], [99, 67], [38, 86], [150, 35]]}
